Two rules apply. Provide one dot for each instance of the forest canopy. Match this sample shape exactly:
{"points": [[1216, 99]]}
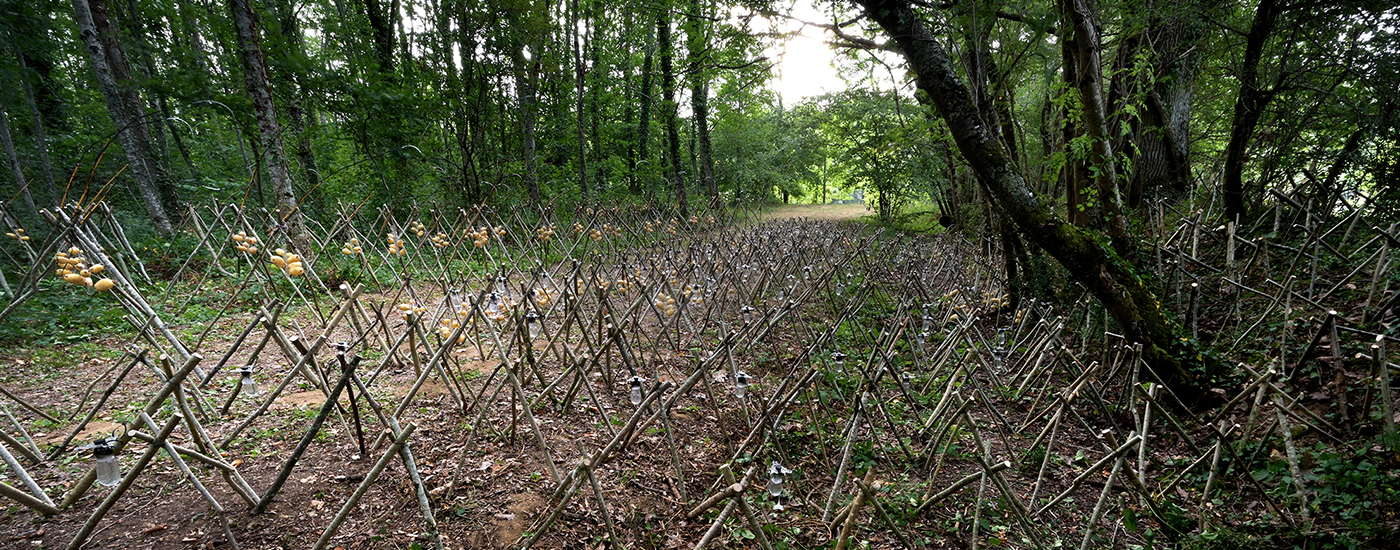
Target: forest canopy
{"points": [[580, 101]]}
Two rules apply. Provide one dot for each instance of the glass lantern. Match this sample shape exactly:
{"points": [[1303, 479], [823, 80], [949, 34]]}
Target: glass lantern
{"points": [[741, 384], [249, 386], [636, 393], [999, 352], [777, 486], [532, 321], [109, 473]]}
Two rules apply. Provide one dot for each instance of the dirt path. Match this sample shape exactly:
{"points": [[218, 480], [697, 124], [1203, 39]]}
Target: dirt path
{"points": [[835, 212]]}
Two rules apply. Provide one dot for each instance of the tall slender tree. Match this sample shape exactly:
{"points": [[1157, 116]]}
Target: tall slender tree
{"points": [[669, 108], [580, 73], [20, 183], [1249, 105], [109, 65], [644, 108], [698, 62], [41, 137], [289, 215]]}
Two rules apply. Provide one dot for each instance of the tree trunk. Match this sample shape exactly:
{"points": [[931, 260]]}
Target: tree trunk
{"points": [[700, 105], [1088, 71], [20, 183], [1160, 95], [383, 34], [245, 21], [1079, 196], [135, 25], [467, 114], [1249, 106], [129, 124], [668, 109], [1329, 191], [130, 93], [1116, 283], [302, 118], [697, 44], [40, 135], [526, 74], [596, 82], [580, 71], [644, 115]]}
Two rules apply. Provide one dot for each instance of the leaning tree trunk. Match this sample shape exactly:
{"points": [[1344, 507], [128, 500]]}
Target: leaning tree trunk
{"points": [[128, 124], [1249, 107], [245, 20], [1115, 282]]}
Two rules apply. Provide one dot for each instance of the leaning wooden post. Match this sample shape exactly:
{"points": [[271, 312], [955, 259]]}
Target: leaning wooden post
{"points": [[430, 521], [1099, 507], [152, 406], [852, 512], [364, 486], [1383, 364], [116, 493], [715, 527], [744, 507], [306, 439], [1291, 453], [18, 471], [884, 514], [1380, 268]]}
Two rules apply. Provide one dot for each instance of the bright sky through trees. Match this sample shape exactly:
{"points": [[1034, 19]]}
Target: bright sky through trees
{"points": [[804, 62]]}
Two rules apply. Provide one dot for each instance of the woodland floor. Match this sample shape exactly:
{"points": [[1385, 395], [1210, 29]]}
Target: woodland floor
{"points": [[503, 485]]}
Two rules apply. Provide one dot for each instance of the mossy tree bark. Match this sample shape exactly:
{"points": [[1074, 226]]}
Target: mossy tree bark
{"points": [[1086, 254]]}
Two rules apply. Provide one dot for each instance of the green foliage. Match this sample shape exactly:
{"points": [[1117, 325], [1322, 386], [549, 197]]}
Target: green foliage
{"points": [[1223, 539], [59, 314]]}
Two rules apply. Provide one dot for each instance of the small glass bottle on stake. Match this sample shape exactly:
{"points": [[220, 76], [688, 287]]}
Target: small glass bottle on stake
{"points": [[635, 395], [777, 485], [109, 473], [532, 320], [248, 386]]}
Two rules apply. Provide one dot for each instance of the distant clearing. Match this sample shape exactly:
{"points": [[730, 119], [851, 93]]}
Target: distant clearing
{"points": [[834, 212]]}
